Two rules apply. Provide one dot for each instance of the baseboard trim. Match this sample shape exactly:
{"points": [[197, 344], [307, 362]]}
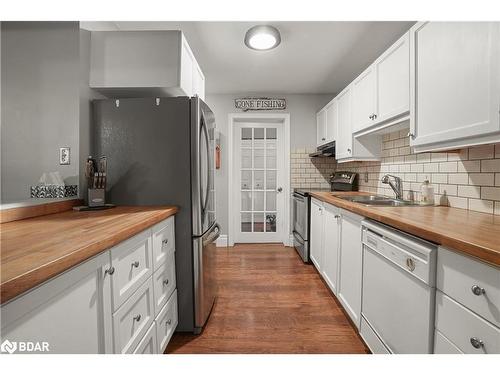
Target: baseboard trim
{"points": [[222, 241]]}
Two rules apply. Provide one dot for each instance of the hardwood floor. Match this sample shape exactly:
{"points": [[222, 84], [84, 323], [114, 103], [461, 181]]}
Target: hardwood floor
{"points": [[269, 301]]}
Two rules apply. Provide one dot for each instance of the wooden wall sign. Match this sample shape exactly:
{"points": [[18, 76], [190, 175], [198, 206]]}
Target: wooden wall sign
{"points": [[260, 104]]}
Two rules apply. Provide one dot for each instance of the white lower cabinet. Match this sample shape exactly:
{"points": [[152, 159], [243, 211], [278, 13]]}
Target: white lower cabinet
{"points": [[331, 225], [133, 319], [112, 303], [148, 344], [350, 264], [316, 234], [70, 313]]}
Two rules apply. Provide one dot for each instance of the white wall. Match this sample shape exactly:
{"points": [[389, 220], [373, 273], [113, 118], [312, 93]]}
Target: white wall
{"points": [[40, 105], [302, 110]]}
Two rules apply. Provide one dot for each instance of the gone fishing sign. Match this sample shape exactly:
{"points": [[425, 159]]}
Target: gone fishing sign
{"points": [[260, 104]]}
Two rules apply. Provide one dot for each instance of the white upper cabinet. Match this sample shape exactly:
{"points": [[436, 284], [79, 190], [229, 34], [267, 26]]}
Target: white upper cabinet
{"points": [[321, 127], [455, 84], [343, 145], [381, 92], [144, 63], [393, 81], [364, 100]]}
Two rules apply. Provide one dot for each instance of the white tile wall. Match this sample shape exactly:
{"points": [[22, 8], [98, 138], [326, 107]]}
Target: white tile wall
{"points": [[306, 172], [467, 178]]}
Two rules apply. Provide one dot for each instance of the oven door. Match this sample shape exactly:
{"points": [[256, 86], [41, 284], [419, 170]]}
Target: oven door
{"points": [[300, 216]]}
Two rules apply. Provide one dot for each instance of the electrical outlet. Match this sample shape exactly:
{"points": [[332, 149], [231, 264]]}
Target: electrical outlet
{"points": [[64, 156]]}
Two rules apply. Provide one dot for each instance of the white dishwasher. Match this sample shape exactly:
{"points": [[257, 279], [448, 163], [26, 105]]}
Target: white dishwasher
{"points": [[397, 311]]}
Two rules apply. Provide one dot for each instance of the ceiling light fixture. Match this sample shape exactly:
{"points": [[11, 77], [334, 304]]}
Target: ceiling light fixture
{"points": [[262, 38]]}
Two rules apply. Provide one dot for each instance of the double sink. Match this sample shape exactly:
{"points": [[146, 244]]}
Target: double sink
{"points": [[377, 200]]}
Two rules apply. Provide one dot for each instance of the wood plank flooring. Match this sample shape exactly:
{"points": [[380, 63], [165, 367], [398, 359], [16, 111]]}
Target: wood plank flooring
{"points": [[269, 301]]}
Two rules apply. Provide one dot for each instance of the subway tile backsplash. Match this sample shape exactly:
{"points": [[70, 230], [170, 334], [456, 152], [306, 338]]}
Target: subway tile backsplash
{"points": [[467, 178]]}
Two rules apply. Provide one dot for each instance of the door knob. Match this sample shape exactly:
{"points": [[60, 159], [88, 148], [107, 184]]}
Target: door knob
{"points": [[477, 290], [279, 190]]}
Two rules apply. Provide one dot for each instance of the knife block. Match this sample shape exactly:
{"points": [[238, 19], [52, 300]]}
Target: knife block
{"points": [[96, 197]]}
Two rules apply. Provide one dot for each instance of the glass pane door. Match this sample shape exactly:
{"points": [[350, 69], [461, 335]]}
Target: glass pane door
{"points": [[258, 177]]}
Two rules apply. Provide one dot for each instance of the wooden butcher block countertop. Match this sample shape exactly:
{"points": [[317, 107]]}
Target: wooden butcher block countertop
{"points": [[37, 249], [469, 232]]}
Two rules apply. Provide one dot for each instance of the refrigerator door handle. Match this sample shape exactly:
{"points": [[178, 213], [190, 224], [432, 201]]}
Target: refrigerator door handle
{"points": [[212, 236], [207, 192]]}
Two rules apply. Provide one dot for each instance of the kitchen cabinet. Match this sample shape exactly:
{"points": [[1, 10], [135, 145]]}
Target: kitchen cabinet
{"points": [[343, 146], [454, 84], [72, 312], [112, 303], [350, 265], [364, 99], [321, 127], [144, 64], [381, 93], [331, 236], [316, 234]]}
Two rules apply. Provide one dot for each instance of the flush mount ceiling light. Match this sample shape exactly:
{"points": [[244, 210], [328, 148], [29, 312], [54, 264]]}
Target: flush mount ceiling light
{"points": [[262, 38]]}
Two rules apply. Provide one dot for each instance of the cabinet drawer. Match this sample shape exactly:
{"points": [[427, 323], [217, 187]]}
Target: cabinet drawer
{"points": [[461, 326], [132, 263], [148, 343], [458, 275], [163, 241], [164, 282], [166, 322], [444, 346], [133, 319]]}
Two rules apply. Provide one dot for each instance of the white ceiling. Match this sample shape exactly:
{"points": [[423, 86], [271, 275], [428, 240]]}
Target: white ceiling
{"points": [[313, 57]]}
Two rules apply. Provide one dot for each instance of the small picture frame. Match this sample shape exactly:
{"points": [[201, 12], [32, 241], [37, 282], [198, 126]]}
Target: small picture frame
{"points": [[64, 155]]}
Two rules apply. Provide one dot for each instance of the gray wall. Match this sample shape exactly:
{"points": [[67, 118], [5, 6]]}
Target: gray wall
{"points": [[302, 110], [40, 103]]}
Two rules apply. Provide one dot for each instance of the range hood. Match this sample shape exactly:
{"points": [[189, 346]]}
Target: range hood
{"points": [[324, 151]]}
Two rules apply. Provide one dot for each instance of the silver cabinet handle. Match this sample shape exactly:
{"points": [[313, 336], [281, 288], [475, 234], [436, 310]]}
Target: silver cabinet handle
{"points": [[476, 343], [165, 282], [135, 264], [110, 271], [137, 317], [349, 150], [168, 322], [337, 216], [410, 263], [477, 290], [279, 190], [323, 139], [374, 116], [411, 135], [165, 241]]}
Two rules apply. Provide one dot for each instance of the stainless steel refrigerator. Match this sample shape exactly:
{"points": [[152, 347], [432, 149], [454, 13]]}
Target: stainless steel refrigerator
{"points": [[160, 151]]}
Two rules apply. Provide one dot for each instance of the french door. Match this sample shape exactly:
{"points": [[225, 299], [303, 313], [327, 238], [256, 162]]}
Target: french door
{"points": [[258, 162]]}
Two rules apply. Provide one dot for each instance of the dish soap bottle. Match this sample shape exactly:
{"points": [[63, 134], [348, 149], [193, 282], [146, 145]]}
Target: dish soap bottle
{"points": [[426, 193]]}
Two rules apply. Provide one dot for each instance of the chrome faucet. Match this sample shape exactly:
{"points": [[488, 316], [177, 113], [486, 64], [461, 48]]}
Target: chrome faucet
{"points": [[397, 185]]}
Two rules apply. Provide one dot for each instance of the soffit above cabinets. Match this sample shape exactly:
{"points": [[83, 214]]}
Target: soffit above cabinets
{"points": [[322, 57]]}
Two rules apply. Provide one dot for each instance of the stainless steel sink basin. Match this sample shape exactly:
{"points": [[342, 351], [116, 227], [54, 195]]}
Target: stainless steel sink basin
{"points": [[377, 200]]}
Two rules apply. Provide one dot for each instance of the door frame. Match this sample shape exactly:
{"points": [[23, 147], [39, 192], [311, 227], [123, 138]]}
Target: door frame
{"points": [[285, 119]]}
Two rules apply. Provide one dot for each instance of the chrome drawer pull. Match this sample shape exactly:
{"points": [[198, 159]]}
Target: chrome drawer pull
{"points": [[169, 322], [477, 290], [110, 271], [135, 264], [165, 282], [137, 317], [165, 241], [410, 263], [476, 343]]}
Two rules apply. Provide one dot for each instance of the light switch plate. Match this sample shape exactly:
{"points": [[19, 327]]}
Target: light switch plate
{"points": [[64, 156]]}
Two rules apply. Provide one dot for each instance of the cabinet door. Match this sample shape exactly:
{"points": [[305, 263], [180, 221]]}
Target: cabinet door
{"points": [[343, 147], [199, 82], [364, 100], [455, 81], [351, 263], [186, 70], [331, 122], [316, 234], [330, 262], [321, 127], [71, 313], [393, 81]]}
